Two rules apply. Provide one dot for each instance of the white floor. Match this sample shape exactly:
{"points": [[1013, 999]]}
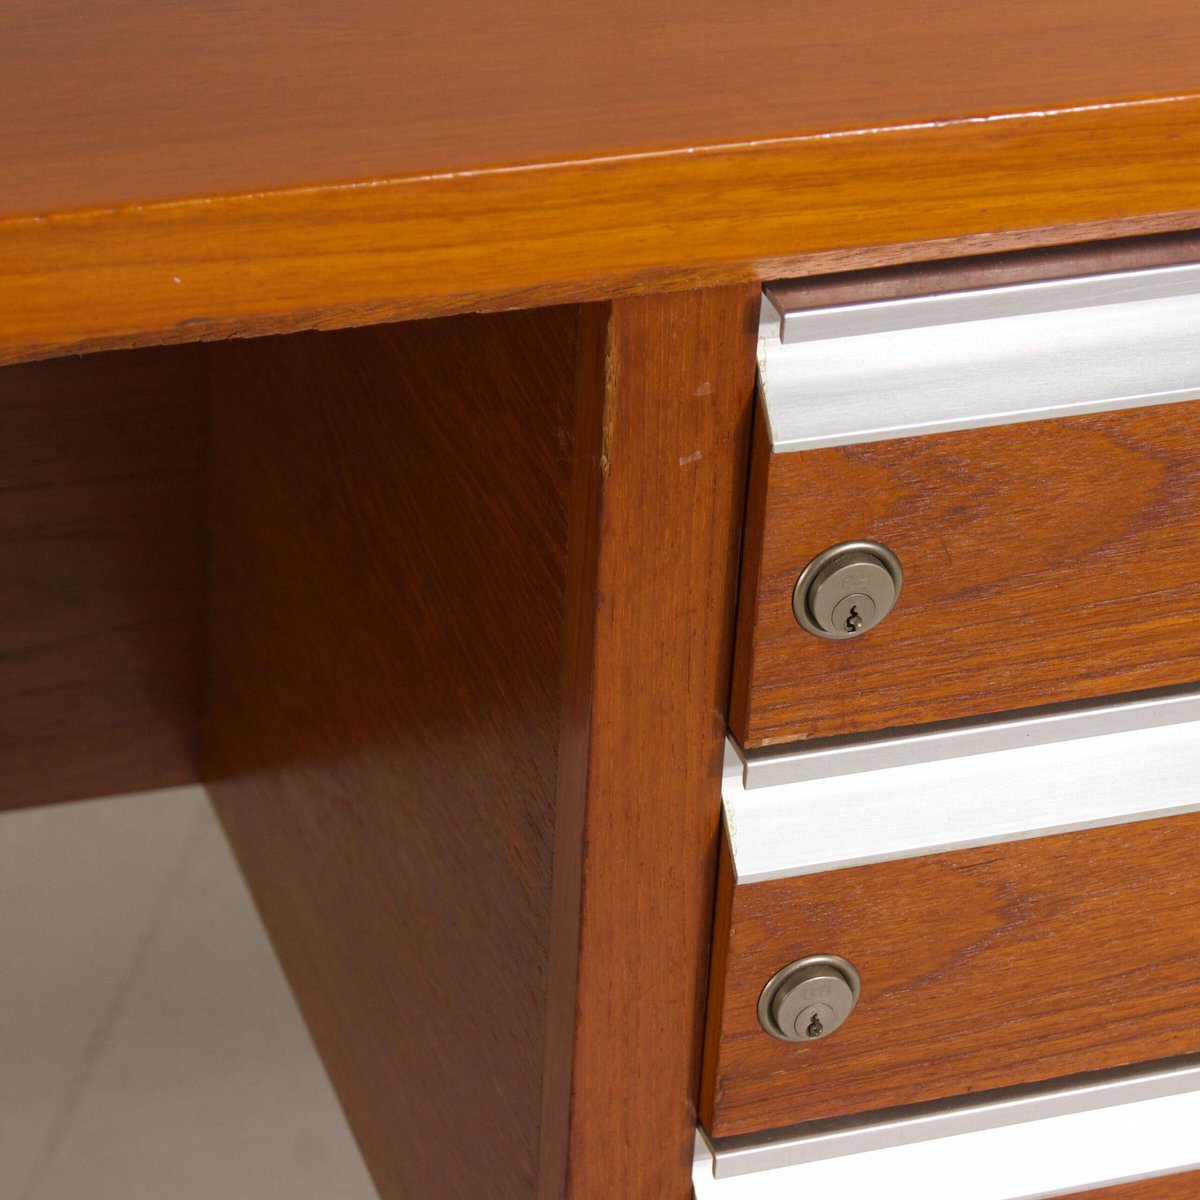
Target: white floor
{"points": [[149, 1046]]}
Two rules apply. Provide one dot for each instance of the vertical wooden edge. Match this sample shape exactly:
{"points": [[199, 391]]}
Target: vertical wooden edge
{"points": [[574, 740], [751, 568], [722, 922], [638, 806]]}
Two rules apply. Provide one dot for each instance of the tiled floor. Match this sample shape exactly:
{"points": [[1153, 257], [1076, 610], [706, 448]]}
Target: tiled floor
{"points": [[149, 1046]]}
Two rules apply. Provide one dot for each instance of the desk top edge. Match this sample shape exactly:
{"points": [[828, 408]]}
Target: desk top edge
{"points": [[375, 250]]}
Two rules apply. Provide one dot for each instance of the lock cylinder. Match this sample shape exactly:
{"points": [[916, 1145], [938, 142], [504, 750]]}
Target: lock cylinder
{"points": [[847, 590], [809, 998]]}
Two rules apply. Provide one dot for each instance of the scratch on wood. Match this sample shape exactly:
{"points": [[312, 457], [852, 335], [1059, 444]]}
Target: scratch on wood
{"points": [[612, 373]]}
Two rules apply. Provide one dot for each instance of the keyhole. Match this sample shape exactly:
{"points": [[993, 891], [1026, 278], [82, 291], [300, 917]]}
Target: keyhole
{"points": [[853, 621], [815, 1028]]}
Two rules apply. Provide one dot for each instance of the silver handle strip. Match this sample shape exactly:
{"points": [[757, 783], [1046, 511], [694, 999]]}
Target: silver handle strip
{"points": [[1025, 352], [1038, 297], [1121, 1094], [879, 813], [853, 753]]}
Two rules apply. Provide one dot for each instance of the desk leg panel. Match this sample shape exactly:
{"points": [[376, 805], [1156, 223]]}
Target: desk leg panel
{"points": [[388, 577], [656, 534]]}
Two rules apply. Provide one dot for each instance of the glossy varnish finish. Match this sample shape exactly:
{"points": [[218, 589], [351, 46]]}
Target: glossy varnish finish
{"points": [[174, 173], [331, 257], [1046, 561], [102, 466], [639, 798], [121, 105], [980, 969], [389, 559]]}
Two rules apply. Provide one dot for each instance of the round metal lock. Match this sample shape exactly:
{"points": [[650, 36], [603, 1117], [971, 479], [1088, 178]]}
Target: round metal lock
{"points": [[847, 589], [809, 998]]}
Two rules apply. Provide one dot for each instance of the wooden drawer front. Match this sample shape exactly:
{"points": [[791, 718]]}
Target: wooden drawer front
{"points": [[1164, 1187], [981, 968], [1046, 561]]}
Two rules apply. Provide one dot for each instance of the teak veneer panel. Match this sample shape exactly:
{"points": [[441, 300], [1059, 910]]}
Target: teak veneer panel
{"points": [[981, 969], [1044, 561], [389, 557], [177, 173], [102, 475]]}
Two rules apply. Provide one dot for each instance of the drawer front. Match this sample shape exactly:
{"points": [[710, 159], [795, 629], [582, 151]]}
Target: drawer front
{"points": [[1185, 1186], [983, 968], [1037, 474], [1043, 562]]}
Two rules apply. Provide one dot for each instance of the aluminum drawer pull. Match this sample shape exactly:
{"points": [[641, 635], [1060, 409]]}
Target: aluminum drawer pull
{"points": [[1129, 760], [1092, 1131], [927, 364]]}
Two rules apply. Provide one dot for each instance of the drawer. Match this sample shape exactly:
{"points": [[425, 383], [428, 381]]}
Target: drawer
{"points": [[1023, 913], [1031, 455]]}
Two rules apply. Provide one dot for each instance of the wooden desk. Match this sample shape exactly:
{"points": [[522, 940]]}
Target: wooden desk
{"points": [[453, 600]]}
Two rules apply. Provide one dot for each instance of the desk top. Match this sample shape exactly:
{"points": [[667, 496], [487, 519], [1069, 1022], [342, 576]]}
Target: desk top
{"points": [[173, 171]]}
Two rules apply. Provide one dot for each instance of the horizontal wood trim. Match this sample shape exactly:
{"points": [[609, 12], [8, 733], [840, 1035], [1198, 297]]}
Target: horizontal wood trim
{"points": [[981, 969], [328, 256], [1046, 561], [102, 478]]}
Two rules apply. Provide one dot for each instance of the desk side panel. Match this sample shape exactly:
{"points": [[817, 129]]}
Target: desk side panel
{"points": [[390, 511]]}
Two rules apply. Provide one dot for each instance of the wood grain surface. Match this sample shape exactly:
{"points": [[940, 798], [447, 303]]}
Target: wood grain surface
{"points": [[980, 968], [1043, 562], [639, 794], [107, 103], [174, 173], [1184, 1186], [102, 465], [389, 560]]}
